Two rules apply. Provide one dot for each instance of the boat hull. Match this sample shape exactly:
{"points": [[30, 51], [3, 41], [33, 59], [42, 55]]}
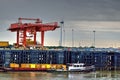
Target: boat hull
{"points": [[28, 69], [90, 70]]}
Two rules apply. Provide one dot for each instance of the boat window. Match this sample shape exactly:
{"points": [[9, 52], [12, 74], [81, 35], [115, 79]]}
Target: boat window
{"points": [[84, 65], [75, 65], [81, 65]]}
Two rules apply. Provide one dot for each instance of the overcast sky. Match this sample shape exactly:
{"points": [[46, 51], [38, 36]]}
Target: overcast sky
{"points": [[83, 16]]}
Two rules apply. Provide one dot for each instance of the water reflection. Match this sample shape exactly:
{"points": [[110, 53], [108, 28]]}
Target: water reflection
{"points": [[98, 75]]}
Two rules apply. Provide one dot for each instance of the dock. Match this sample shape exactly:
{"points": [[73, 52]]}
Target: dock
{"points": [[44, 59]]}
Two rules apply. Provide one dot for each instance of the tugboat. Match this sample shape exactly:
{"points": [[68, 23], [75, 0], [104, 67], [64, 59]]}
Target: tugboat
{"points": [[78, 67], [75, 67]]}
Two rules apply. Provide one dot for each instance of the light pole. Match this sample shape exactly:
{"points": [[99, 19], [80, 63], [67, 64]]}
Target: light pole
{"points": [[72, 37], [64, 37], [94, 38], [62, 22]]}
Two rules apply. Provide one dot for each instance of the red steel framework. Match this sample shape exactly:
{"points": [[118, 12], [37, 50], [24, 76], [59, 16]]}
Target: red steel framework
{"points": [[32, 28]]}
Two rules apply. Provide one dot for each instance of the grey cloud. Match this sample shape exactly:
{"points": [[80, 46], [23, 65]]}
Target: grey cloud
{"points": [[100, 10]]}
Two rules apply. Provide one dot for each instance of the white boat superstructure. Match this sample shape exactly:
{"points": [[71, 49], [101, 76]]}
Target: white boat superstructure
{"points": [[79, 67]]}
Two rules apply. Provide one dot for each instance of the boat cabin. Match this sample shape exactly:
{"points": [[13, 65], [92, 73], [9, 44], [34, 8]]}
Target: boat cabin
{"points": [[78, 67]]}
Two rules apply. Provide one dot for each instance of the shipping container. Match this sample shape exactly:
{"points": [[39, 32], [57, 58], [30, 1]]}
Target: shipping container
{"points": [[14, 65], [25, 65], [4, 43], [32, 65]]}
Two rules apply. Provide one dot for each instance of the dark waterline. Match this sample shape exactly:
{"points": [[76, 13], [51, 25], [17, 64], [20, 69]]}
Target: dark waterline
{"points": [[98, 75]]}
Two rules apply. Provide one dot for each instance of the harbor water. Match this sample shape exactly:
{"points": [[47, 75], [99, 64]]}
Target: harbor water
{"points": [[98, 75]]}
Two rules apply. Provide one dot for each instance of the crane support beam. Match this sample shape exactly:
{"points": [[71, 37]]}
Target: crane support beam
{"points": [[24, 38], [34, 37], [17, 37], [42, 38]]}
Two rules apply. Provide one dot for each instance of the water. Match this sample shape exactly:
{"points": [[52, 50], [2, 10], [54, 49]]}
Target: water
{"points": [[98, 75]]}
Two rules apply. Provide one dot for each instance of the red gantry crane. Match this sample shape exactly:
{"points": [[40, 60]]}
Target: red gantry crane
{"points": [[26, 31]]}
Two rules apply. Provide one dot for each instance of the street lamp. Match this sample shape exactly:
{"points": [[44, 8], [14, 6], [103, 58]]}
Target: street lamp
{"points": [[64, 37], [72, 37], [94, 38], [62, 23]]}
